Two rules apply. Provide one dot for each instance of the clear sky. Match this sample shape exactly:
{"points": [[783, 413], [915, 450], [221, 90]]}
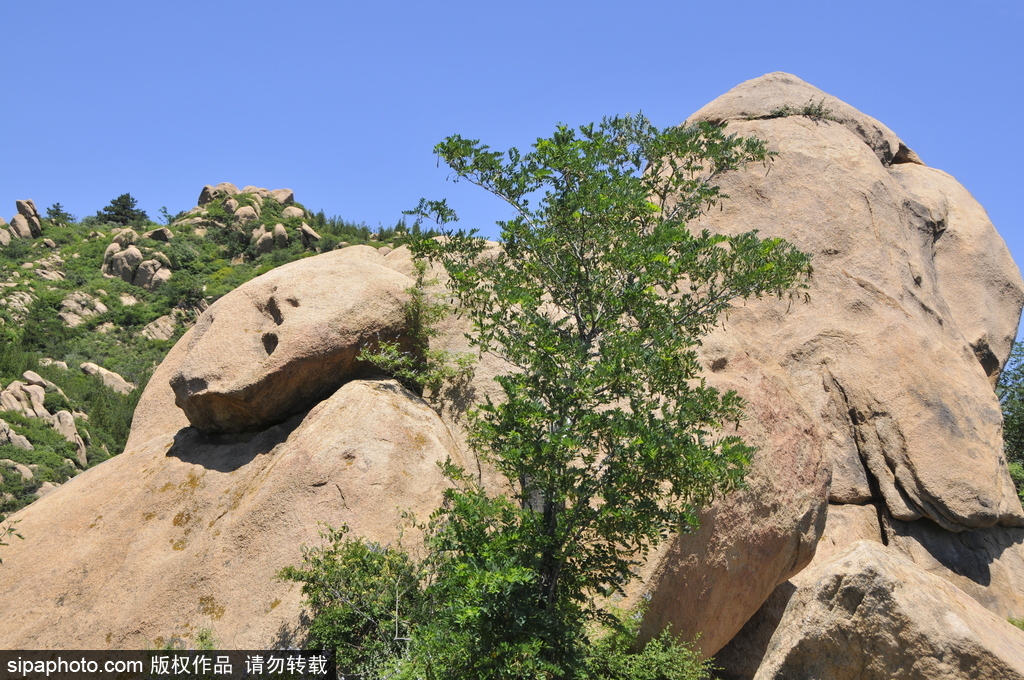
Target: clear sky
{"points": [[343, 101]]}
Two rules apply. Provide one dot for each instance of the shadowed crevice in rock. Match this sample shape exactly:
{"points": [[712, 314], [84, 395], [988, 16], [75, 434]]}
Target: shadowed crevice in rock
{"points": [[740, 659], [229, 452], [969, 554]]}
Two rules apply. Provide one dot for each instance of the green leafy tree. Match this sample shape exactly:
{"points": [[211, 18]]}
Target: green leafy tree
{"points": [[58, 216], [364, 598], [607, 435], [122, 210], [1011, 397]]}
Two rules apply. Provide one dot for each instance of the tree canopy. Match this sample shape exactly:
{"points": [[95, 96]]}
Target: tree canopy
{"points": [[599, 295], [608, 438], [123, 210]]}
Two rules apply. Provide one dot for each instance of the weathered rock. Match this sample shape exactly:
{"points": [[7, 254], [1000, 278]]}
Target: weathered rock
{"points": [[23, 470], [710, 582], [181, 530], [150, 275], [50, 243], [78, 307], [929, 434], [45, 488], [126, 237], [257, 233], [846, 524], [21, 227], [25, 399], [987, 564], [283, 196], [33, 378], [46, 361], [264, 243], [230, 206], [308, 236], [9, 436], [123, 264], [282, 342], [292, 211], [111, 379], [27, 209], [160, 329], [162, 234], [222, 190], [870, 614], [246, 214], [280, 236], [5, 237], [108, 254], [64, 423]]}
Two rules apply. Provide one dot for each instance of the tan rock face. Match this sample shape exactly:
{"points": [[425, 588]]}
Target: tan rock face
{"points": [[160, 329], [64, 423], [708, 583], [183, 531], [9, 436], [285, 340], [111, 379], [25, 399], [880, 349], [874, 380], [872, 615]]}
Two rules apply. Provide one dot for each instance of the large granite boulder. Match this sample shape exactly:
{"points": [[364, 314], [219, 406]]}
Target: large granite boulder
{"points": [[879, 345], [870, 614], [185, 531], [286, 340], [881, 381]]}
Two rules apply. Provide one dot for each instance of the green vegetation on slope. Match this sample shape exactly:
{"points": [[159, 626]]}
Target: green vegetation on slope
{"points": [[210, 254]]}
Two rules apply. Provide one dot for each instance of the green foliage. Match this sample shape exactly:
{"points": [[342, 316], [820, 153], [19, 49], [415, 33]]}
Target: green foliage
{"points": [[1010, 390], [122, 210], [364, 599], [607, 436], [417, 366], [615, 655], [56, 215], [6, 532], [1017, 622], [816, 111]]}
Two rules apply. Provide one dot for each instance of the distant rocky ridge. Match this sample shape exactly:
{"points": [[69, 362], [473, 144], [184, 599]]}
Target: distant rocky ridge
{"points": [[879, 537]]}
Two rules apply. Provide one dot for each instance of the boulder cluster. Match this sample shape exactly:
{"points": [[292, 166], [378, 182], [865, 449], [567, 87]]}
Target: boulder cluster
{"points": [[124, 260], [879, 535], [26, 224], [247, 210]]}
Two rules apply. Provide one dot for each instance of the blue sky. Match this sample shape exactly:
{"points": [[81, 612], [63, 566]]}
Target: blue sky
{"points": [[343, 101]]}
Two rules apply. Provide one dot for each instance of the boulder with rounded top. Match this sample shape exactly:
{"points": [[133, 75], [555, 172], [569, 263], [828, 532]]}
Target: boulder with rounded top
{"points": [[281, 342]]}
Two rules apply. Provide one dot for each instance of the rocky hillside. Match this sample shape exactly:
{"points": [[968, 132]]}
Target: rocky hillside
{"points": [[880, 535], [89, 308]]}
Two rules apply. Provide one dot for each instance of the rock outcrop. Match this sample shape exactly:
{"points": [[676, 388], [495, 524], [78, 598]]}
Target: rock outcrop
{"points": [[879, 534], [9, 436], [913, 308], [284, 341], [79, 306], [130, 265], [111, 379], [24, 399], [27, 223], [870, 614], [183, 530]]}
